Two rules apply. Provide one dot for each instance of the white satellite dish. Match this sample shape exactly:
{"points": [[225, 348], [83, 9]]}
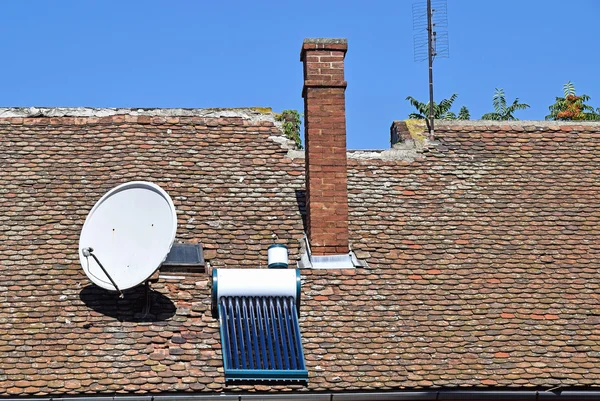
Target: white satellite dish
{"points": [[127, 235]]}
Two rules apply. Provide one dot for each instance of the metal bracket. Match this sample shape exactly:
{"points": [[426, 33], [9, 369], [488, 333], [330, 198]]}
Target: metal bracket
{"points": [[87, 252]]}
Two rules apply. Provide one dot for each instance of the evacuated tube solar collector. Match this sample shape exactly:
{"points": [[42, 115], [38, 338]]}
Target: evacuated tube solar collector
{"points": [[258, 319]]}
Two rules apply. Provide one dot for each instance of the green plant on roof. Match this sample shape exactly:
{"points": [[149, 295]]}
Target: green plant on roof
{"points": [[291, 125], [463, 114], [572, 107], [501, 110], [441, 110]]}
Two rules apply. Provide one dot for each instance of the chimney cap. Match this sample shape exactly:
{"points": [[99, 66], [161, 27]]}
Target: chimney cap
{"points": [[323, 44], [326, 40]]}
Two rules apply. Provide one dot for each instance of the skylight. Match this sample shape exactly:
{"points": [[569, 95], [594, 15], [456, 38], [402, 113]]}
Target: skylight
{"points": [[184, 258]]}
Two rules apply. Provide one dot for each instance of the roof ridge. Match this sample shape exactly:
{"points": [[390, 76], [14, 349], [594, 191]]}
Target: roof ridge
{"points": [[250, 113], [504, 123]]}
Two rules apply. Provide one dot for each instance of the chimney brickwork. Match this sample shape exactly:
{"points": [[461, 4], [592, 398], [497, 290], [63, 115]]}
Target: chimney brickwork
{"points": [[325, 140]]}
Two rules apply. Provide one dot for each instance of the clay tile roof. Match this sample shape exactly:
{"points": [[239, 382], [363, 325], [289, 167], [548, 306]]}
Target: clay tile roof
{"points": [[483, 250]]}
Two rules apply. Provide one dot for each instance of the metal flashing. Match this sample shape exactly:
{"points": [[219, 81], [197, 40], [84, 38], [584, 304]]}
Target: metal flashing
{"points": [[342, 261]]}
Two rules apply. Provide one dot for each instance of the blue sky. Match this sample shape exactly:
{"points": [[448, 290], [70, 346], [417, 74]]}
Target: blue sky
{"points": [[242, 53]]}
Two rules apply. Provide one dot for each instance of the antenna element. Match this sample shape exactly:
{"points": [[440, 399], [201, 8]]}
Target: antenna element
{"points": [[435, 44]]}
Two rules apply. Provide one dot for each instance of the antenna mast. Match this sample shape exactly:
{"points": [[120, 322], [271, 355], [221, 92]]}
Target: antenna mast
{"points": [[430, 54], [430, 19]]}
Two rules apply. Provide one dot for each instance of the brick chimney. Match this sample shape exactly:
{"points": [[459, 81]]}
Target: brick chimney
{"points": [[325, 140]]}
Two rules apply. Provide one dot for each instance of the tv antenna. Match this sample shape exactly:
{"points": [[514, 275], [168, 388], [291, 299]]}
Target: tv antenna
{"points": [[127, 235], [430, 24]]}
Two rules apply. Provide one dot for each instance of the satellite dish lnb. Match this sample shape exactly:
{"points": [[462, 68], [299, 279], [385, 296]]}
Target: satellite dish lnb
{"points": [[127, 235]]}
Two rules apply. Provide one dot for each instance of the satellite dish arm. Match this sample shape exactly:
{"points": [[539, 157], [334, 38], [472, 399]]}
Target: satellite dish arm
{"points": [[89, 252]]}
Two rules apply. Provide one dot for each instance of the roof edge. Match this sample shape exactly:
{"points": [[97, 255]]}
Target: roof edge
{"points": [[251, 113], [440, 394], [439, 124]]}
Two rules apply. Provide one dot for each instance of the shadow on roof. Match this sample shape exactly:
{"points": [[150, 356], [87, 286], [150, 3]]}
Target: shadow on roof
{"points": [[301, 201], [136, 306]]}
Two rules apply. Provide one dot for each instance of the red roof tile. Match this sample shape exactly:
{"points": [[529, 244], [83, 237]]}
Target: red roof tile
{"points": [[483, 250]]}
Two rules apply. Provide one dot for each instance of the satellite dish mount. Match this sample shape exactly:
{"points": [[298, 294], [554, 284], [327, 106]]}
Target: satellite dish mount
{"points": [[87, 252]]}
